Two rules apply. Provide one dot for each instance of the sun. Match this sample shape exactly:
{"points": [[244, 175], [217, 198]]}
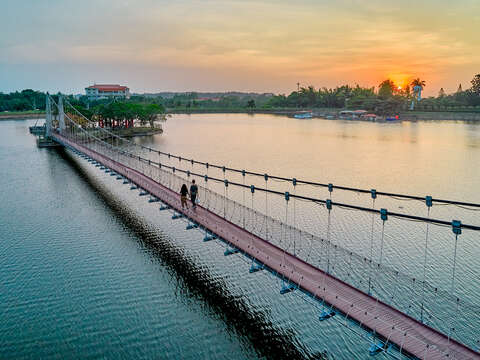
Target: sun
{"points": [[399, 87]]}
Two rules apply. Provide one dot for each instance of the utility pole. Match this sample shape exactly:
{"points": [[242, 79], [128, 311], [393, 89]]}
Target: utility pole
{"points": [[298, 93]]}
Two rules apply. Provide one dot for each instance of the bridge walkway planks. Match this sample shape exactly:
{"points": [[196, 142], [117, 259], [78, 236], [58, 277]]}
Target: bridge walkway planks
{"points": [[408, 334]]}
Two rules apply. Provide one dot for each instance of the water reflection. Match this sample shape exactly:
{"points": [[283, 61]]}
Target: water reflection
{"points": [[347, 153]]}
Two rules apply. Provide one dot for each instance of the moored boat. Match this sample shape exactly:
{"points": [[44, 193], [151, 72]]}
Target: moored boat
{"points": [[303, 115]]}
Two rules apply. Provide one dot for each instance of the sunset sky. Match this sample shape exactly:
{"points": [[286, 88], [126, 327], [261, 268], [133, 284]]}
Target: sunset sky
{"points": [[245, 45]]}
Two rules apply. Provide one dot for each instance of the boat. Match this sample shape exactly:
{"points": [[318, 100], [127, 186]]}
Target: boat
{"points": [[369, 117], [352, 114], [303, 115], [392, 118]]}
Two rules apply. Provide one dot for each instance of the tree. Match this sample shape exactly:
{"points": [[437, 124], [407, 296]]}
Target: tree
{"points": [[386, 88], [152, 112], [390, 106], [251, 104], [308, 96], [441, 93], [459, 90], [476, 84], [418, 82]]}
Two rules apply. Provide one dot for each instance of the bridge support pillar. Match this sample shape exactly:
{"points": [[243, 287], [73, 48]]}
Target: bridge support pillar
{"points": [[48, 116], [61, 114]]}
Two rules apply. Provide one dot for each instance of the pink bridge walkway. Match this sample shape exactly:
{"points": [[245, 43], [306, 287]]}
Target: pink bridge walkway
{"points": [[407, 334]]}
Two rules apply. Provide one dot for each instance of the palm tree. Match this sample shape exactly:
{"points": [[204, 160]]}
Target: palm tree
{"points": [[418, 82], [418, 86]]}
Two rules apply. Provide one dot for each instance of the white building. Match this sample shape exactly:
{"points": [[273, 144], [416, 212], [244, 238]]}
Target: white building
{"points": [[103, 91]]}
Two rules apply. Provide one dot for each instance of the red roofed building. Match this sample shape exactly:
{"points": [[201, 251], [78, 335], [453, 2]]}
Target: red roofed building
{"points": [[102, 91]]}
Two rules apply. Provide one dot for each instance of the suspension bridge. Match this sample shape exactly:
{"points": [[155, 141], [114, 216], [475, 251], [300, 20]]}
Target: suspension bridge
{"points": [[415, 318]]}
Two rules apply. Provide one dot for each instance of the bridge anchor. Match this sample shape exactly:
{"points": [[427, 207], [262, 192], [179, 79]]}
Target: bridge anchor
{"points": [[191, 225], [209, 237], [177, 216], [255, 267], [326, 314], [378, 347], [231, 251], [286, 288]]}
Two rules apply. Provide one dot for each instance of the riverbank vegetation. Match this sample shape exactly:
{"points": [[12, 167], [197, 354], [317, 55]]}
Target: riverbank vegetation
{"points": [[22, 101], [387, 98]]}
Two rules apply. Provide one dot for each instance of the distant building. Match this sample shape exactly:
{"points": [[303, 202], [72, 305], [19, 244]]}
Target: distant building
{"points": [[103, 91]]}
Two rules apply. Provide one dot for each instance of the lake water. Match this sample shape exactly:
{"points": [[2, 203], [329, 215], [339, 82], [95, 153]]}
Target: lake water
{"points": [[89, 269]]}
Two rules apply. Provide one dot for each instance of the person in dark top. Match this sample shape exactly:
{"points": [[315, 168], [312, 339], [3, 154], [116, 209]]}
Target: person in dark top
{"points": [[193, 193], [183, 195]]}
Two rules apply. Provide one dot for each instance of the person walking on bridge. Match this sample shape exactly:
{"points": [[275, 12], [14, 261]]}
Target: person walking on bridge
{"points": [[183, 196], [193, 193]]}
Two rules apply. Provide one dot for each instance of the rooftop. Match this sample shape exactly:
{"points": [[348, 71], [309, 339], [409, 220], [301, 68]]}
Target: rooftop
{"points": [[108, 87]]}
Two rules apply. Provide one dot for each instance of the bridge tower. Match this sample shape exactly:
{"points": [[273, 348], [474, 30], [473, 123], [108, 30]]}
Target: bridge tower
{"points": [[61, 114], [48, 119]]}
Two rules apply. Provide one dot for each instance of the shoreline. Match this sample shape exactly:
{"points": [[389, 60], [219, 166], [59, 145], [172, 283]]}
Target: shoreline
{"points": [[332, 114], [20, 115], [317, 113]]}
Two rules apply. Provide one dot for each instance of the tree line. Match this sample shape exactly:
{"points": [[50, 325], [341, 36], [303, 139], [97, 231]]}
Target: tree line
{"points": [[388, 99], [24, 100]]}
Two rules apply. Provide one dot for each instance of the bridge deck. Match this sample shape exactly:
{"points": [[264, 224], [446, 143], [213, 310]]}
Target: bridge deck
{"points": [[408, 334]]}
